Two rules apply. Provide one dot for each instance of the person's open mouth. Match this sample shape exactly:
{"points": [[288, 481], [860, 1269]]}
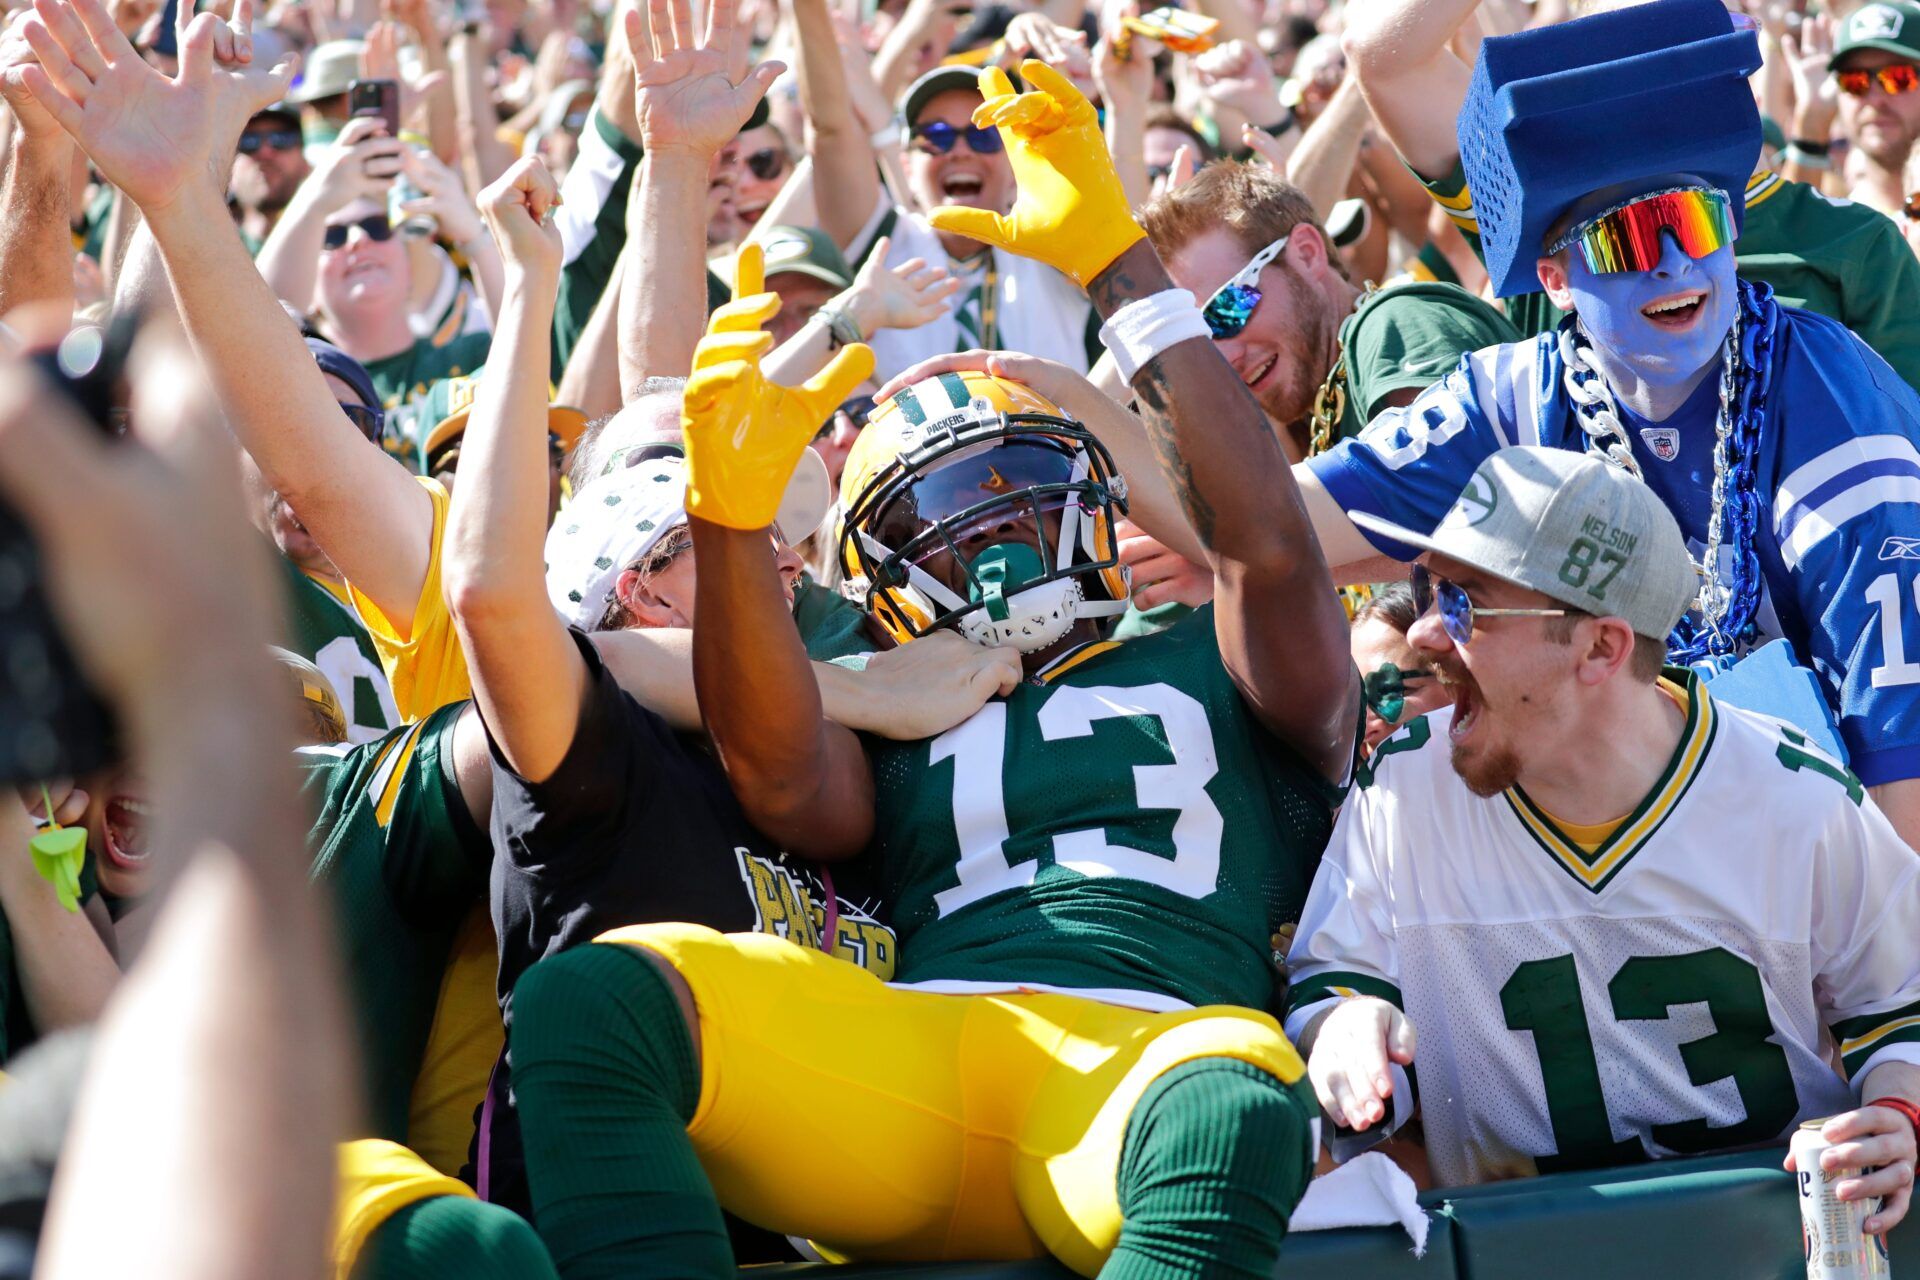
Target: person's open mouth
{"points": [[126, 831], [1466, 706], [1258, 375], [962, 188], [1676, 311]]}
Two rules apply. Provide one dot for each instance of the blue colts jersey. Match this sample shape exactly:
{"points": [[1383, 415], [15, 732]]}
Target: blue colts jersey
{"points": [[1839, 485]]}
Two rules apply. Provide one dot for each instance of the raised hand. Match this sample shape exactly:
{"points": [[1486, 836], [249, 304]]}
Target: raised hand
{"points": [[360, 164], [1238, 76], [149, 134], [1816, 95], [902, 297], [1071, 212], [744, 435], [516, 208], [35, 120], [445, 197], [693, 92]]}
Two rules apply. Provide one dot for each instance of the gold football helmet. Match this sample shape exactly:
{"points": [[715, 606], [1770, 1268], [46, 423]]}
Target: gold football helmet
{"points": [[969, 458]]}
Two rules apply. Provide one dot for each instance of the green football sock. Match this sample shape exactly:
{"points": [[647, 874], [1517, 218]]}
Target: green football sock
{"points": [[604, 1075], [1215, 1159], [454, 1238]]}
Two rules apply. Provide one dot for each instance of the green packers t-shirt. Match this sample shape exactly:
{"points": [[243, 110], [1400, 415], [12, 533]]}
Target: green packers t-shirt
{"points": [[401, 378], [1835, 257], [406, 863], [831, 626], [1409, 336], [323, 629]]}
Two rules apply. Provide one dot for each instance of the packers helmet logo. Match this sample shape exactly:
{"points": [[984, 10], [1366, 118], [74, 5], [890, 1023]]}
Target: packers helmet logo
{"points": [[1476, 502]]}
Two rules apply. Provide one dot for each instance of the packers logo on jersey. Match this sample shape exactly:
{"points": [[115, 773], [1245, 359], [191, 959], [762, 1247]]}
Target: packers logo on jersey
{"points": [[958, 453]]}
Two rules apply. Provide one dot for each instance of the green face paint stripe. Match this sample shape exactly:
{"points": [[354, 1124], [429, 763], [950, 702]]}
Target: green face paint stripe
{"points": [[910, 408], [956, 389]]}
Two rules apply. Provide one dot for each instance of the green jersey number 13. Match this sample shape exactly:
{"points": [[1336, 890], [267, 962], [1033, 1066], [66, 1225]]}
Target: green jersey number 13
{"points": [[978, 749]]}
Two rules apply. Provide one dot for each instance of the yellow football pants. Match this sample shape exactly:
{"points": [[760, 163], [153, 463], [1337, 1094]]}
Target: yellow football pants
{"points": [[377, 1180], [897, 1124]]}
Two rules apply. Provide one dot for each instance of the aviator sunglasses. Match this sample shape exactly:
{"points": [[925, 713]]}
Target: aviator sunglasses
{"points": [[374, 226], [1233, 303], [1631, 235], [1457, 610], [938, 137], [1896, 79]]}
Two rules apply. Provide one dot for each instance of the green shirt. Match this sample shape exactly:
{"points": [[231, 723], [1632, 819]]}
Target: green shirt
{"points": [[399, 379], [831, 626], [1409, 336], [406, 863], [1835, 257], [323, 629], [1124, 824]]}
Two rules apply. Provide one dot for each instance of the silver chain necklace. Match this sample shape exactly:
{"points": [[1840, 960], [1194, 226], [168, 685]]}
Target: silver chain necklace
{"points": [[1607, 440]]}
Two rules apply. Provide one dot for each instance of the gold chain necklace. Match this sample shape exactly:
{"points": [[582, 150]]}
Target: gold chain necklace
{"points": [[1330, 401]]}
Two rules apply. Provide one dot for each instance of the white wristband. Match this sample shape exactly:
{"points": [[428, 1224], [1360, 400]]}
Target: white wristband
{"points": [[1142, 329]]}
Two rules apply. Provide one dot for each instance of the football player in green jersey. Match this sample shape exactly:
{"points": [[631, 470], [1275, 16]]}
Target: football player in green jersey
{"points": [[1076, 866]]}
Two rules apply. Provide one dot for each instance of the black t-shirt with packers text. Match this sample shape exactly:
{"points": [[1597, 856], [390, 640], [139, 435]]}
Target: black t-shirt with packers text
{"points": [[638, 824]]}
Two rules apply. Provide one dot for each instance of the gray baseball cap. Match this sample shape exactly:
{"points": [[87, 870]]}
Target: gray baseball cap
{"points": [[1568, 526]]}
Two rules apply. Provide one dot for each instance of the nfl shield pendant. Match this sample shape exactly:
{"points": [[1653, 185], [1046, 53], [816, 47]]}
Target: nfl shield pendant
{"points": [[1662, 442]]}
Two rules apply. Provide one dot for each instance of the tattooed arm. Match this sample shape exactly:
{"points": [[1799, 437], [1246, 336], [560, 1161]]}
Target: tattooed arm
{"points": [[1282, 632]]}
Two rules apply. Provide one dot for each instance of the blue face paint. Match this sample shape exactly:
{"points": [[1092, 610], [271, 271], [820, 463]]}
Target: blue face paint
{"points": [[1611, 306]]}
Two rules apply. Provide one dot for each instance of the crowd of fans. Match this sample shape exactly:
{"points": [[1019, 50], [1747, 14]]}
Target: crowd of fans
{"points": [[488, 307]]}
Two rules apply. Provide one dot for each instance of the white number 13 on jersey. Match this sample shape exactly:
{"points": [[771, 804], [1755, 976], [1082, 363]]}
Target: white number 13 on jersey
{"points": [[978, 749]]}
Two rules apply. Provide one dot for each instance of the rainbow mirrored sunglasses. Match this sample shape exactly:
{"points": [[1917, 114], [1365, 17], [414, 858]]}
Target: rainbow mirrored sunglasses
{"points": [[1233, 303], [1628, 237]]}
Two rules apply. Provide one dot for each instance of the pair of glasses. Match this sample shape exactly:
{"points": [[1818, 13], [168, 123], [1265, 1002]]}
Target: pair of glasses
{"points": [[374, 226], [857, 408], [1386, 688], [1457, 610], [1895, 79], [938, 138], [275, 140], [372, 422], [1631, 236], [767, 163], [1233, 303]]}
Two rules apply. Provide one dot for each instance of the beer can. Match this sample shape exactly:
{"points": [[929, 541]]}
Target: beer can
{"points": [[1830, 1234]]}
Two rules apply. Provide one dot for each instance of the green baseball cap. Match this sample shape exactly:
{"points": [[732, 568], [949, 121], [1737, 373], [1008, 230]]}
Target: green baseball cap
{"points": [[806, 251], [1568, 526], [1890, 25]]}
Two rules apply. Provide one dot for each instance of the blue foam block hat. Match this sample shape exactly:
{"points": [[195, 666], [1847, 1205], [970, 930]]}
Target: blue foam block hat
{"points": [[1556, 113]]}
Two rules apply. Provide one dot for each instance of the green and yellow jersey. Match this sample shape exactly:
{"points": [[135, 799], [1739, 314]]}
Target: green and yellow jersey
{"points": [[408, 866], [1835, 257], [1121, 823], [323, 628]]}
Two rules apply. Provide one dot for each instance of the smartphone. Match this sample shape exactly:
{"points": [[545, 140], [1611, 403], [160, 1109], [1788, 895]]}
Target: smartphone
{"points": [[377, 98], [1177, 29], [53, 724]]}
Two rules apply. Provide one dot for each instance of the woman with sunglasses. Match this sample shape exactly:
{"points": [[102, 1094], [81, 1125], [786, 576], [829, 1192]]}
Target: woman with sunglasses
{"points": [[1876, 67], [1781, 442], [1005, 301]]}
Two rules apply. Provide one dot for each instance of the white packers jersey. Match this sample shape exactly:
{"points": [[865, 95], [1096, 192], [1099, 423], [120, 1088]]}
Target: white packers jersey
{"points": [[1678, 990]]}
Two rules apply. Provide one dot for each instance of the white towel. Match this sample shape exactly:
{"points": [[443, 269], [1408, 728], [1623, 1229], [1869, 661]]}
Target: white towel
{"points": [[1369, 1190]]}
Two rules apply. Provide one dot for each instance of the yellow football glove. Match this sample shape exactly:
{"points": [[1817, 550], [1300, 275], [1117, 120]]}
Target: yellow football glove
{"points": [[744, 435], [1071, 212]]}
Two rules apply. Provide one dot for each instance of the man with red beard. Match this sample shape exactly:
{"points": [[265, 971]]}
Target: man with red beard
{"points": [[1005, 302], [1543, 901]]}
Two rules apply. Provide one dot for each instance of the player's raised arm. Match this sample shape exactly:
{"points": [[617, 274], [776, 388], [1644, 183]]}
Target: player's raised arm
{"points": [[802, 780], [1281, 631]]}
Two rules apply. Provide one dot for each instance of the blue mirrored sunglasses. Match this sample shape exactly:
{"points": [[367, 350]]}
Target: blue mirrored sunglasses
{"points": [[1233, 303], [1457, 610], [939, 137]]}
